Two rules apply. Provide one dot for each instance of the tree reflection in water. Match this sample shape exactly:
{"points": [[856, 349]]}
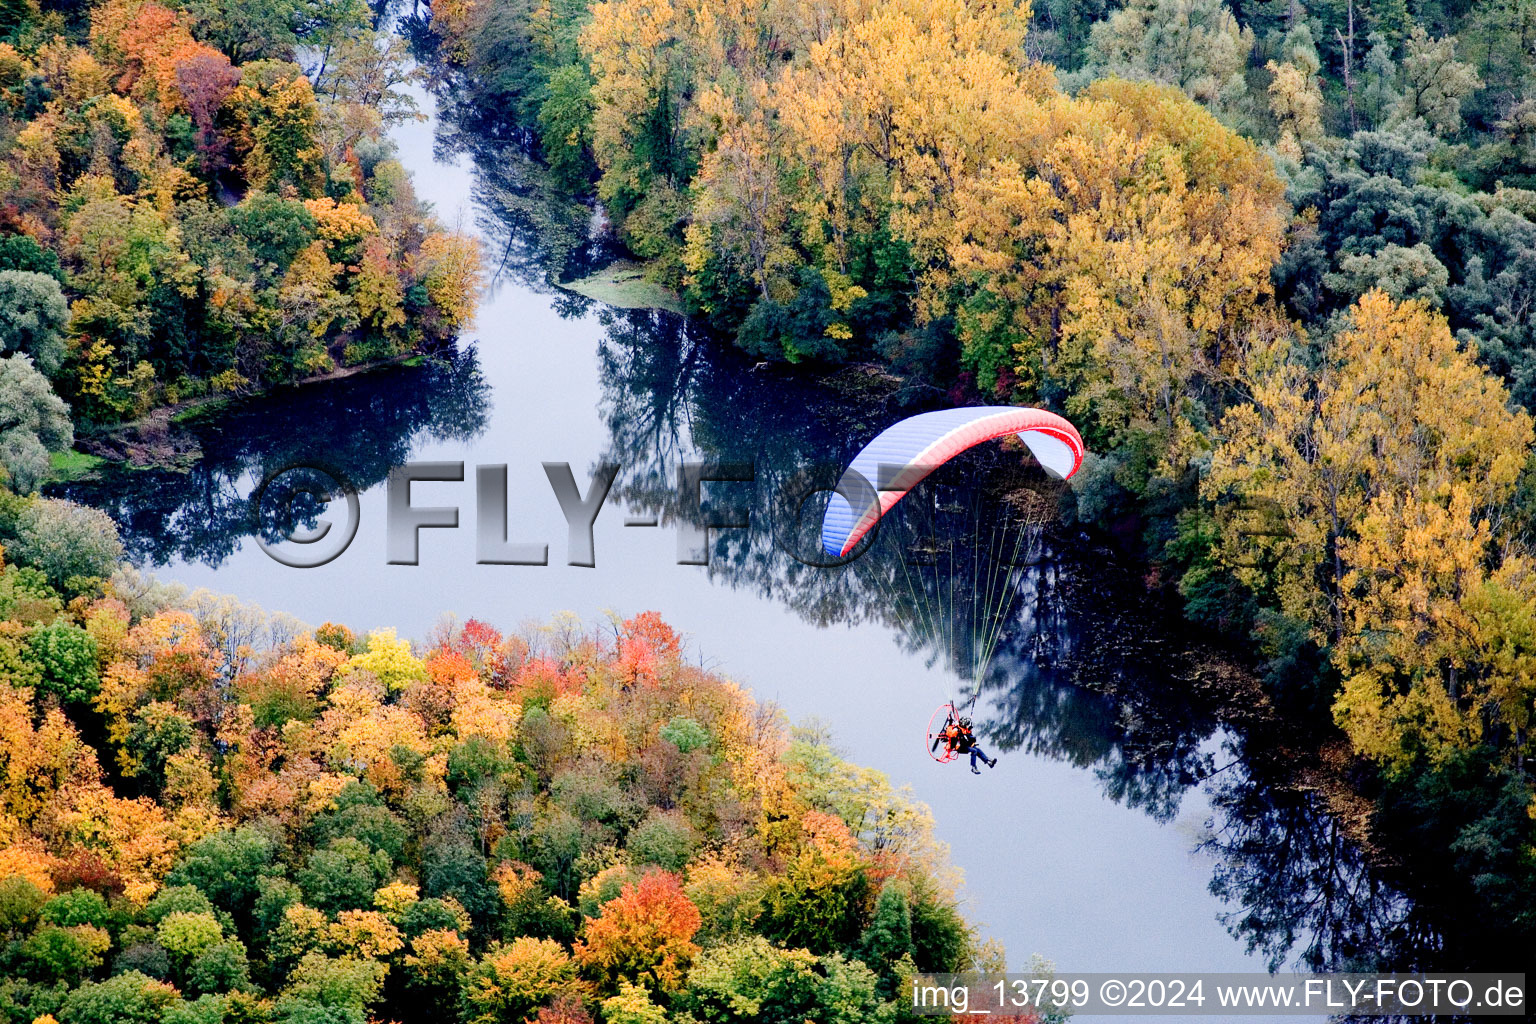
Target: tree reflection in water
{"points": [[1088, 669], [1302, 889], [355, 429]]}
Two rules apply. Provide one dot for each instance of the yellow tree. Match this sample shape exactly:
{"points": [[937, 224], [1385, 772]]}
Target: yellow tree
{"points": [[448, 265], [1297, 104], [1379, 472], [1501, 645], [742, 203], [1120, 249], [377, 290], [631, 45]]}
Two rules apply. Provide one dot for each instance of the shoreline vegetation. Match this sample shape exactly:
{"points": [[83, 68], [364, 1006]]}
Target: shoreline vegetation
{"points": [[1276, 261], [624, 285], [155, 440], [213, 814], [188, 213]]}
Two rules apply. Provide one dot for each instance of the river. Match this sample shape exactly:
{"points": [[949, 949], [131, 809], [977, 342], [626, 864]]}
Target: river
{"points": [[1121, 829]]}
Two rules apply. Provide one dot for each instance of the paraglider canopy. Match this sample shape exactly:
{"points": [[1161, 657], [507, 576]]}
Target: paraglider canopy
{"points": [[903, 454]]}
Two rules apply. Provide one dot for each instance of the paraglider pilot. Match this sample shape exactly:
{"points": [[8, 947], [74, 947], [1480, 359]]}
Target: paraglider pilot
{"points": [[959, 738]]}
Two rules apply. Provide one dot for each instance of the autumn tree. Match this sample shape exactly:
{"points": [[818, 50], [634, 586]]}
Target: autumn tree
{"points": [[1297, 104], [1361, 497], [204, 81], [511, 981], [281, 126], [377, 291], [437, 966], [448, 266], [645, 935]]}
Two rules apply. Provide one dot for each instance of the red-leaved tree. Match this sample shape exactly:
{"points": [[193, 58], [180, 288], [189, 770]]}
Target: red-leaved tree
{"points": [[644, 935]]}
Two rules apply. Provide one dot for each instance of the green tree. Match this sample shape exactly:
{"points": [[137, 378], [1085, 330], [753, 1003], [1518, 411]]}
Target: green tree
{"points": [[1378, 92], [78, 906], [665, 839], [55, 953], [229, 867], [343, 875], [23, 252], [275, 229], [752, 980], [1196, 45], [66, 542], [347, 983], [283, 122], [941, 940], [1435, 82], [888, 938], [248, 31], [565, 126], [21, 901], [33, 422], [323, 24], [358, 812], [1402, 272], [176, 899], [157, 733], [221, 967], [33, 315], [130, 998], [186, 935], [458, 870], [685, 733], [65, 657]]}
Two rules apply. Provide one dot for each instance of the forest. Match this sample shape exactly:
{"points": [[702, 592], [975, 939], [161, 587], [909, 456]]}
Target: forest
{"points": [[186, 212], [1276, 260], [209, 813]]}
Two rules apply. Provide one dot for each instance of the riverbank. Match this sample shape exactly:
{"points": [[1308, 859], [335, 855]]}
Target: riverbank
{"points": [[623, 284], [160, 438]]}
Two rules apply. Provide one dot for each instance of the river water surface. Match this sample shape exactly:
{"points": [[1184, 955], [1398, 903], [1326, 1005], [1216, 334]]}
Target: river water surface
{"points": [[1094, 842]]}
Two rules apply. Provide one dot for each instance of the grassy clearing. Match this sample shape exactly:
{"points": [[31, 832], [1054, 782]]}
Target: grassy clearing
{"points": [[623, 284], [72, 465]]}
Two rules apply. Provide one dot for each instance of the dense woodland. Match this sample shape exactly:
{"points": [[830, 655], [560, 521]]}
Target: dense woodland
{"points": [[212, 814], [1276, 260], [185, 211]]}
